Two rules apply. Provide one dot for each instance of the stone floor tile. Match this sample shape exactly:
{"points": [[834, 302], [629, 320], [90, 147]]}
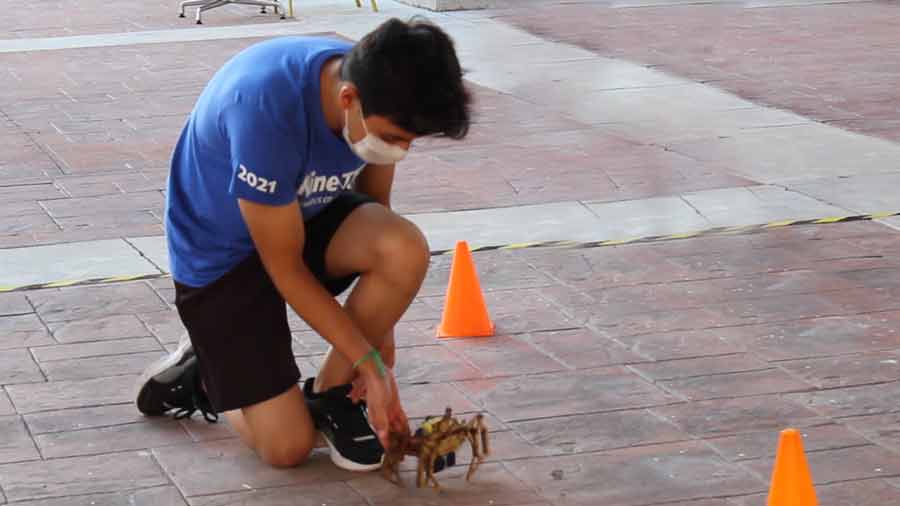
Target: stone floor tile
{"points": [[861, 193], [80, 475], [492, 484], [509, 302], [495, 271], [99, 367], [99, 329], [201, 432], [14, 304], [33, 397], [70, 420], [502, 356], [537, 321], [612, 267], [422, 309], [636, 476], [857, 463], [308, 342], [504, 446], [431, 400], [645, 217], [823, 337], [757, 204], [17, 366], [543, 222], [23, 331], [165, 325], [853, 401], [881, 429], [6, 406], [229, 466], [755, 445], [432, 364], [82, 303], [847, 370], [567, 393], [684, 344], [71, 261], [693, 367], [155, 249], [332, 494], [702, 502], [739, 384], [894, 481], [604, 431], [671, 320], [582, 348], [415, 333], [873, 492], [138, 436], [154, 496], [15, 441], [735, 416], [95, 349]]}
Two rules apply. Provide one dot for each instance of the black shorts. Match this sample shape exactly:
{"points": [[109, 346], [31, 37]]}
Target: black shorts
{"points": [[238, 324]]}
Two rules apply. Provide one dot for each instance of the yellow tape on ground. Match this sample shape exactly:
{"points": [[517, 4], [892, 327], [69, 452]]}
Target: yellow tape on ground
{"points": [[520, 246]]}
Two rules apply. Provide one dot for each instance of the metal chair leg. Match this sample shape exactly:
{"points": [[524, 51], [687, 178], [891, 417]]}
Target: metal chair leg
{"points": [[262, 4], [205, 5], [189, 3], [208, 6]]}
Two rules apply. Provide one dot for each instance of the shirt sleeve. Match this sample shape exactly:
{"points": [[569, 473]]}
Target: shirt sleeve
{"points": [[265, 156]]}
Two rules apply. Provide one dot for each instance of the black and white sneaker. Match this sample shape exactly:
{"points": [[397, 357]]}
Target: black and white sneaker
{"points": [[345, 425], [173, 383]]}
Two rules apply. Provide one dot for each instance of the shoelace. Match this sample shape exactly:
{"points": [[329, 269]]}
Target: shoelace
{"points": [[196, 403]]}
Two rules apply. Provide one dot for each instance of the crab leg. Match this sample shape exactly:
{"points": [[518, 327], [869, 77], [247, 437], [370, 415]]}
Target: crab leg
{"points": [[420, 473], [430, 472]]}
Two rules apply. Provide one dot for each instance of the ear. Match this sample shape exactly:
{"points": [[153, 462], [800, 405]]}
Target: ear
{"points": [[347, 95]]}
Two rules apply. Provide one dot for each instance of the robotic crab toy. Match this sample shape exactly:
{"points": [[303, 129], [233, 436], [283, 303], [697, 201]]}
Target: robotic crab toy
{"points": [[435, 444]]}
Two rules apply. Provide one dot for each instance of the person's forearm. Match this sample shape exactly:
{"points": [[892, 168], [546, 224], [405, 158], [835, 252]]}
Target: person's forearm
{"points": [[389, 350]]}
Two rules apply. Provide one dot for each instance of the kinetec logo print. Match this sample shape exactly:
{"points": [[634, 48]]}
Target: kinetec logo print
{"points": [[314, 184]]}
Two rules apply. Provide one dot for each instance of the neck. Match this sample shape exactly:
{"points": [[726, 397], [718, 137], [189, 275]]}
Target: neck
{"points": [[330, 86]]}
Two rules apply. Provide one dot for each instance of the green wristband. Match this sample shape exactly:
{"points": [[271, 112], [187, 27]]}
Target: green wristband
{"points": [[373, 355]]}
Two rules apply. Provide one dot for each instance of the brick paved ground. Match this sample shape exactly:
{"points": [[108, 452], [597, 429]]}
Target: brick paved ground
{"points": [[834, 62], [633, 375]]}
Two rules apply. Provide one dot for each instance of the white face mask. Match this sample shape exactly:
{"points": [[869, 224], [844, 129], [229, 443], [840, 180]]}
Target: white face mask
{"points": [[372, 149]]}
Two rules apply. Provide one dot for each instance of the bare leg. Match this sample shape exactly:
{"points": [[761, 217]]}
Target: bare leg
{"points": [[236, 419], [280, 429], [392, 257]]}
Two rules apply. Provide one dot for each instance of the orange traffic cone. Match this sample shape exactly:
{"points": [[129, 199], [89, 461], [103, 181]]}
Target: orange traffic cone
{"points": [[465, 313], [792, 483]]}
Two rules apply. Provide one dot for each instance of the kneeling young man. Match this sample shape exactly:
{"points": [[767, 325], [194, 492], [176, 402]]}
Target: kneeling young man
{"points": [[279, 193]]}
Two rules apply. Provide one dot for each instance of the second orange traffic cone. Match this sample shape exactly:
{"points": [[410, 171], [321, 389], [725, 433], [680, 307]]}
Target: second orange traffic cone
{"points": [[465, 313], [792, 483]]}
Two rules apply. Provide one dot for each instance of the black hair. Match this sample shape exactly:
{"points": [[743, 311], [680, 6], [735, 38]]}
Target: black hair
{"points": [[409, 73]]}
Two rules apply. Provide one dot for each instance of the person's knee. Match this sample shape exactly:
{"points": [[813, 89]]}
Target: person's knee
{"points": [[403, 245], [286, 454]]}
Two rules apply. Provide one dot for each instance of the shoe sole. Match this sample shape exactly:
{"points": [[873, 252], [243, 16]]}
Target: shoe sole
{"points": [[159, 366], [349, 465]]}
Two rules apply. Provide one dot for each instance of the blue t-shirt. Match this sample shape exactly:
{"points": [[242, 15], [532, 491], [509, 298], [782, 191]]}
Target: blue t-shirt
{"points": [[257, 132]]}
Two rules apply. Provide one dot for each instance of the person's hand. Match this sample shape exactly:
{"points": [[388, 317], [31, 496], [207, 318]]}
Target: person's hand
{"points": [[379, 395], [358, 392], [397, 418]]}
